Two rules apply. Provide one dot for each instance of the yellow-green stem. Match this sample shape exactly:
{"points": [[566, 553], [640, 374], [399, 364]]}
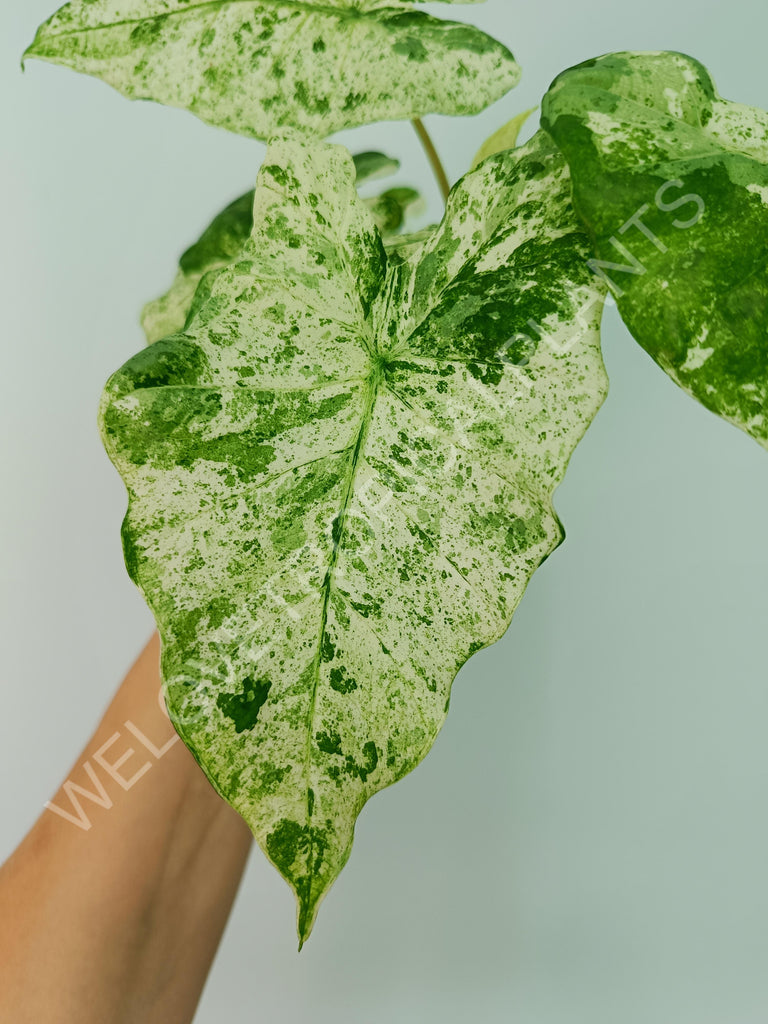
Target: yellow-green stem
{"points": [[432, 155]]}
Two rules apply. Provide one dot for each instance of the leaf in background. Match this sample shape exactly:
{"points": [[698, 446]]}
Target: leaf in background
{"points": [[672, 183], [340, 480], [373, 166], [391, 209], [226, 235], [256, 66], [399, 247], [505, 138]]}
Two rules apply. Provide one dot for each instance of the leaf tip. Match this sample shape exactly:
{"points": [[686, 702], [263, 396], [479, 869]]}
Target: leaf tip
{"points": [[29, 52], [307, 915]]}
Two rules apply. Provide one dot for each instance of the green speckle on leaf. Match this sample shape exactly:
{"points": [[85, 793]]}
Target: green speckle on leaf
{"points": [[243, 708]]}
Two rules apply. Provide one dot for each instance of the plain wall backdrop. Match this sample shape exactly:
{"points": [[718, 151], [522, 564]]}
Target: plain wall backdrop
{"points": [[587, 842]]}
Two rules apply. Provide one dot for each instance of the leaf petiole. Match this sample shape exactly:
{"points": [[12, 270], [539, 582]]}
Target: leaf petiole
{"points": [[433, 156]]}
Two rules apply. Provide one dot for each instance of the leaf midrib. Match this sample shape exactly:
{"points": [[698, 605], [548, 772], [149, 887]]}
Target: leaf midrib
{"points": [[339, 528]]}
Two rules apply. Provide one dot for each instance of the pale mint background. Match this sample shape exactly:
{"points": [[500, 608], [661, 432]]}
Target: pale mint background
{"points": [[588, 842]]}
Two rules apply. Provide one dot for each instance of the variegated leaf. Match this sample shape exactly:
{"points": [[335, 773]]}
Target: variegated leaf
{"points": [[254, 66], [225, 236], [672, 183], [340, 480]]}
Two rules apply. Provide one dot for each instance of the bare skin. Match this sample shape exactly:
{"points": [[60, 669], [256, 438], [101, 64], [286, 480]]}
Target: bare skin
{"points": [[118, 923]]}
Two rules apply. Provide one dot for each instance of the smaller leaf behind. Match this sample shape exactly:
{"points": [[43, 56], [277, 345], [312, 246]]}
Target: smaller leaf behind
{"points": [[225, 236], [672, 184], [505, 138], [372, 166], [391, 209]]}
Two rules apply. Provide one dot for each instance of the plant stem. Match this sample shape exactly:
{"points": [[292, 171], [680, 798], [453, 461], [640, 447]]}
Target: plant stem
{"points": [[432, 154]]}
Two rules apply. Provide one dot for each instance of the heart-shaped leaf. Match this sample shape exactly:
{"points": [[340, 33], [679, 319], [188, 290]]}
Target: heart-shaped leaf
{"points": [[672, 183], [254, 66], [340, 480], [224, 238]]}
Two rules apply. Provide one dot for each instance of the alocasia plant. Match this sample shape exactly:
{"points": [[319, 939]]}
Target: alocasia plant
{"points": [[342, 445]]}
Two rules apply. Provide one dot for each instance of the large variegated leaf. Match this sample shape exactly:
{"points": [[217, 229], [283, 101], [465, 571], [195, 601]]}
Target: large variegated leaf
{"points": [[225, 236], [254, 66], [340, 479], [672, 183]]}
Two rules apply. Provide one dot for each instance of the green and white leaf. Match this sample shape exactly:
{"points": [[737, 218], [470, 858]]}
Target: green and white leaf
{"points": [[672, 183], [340, 480], [224, 238], [255, 66]]}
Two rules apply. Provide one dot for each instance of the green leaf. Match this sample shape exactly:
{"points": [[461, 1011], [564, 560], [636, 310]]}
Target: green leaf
{"points": [[340, 480], [254, 66], [373, 166], [225, 236], [672, 183], [391, 209], [505, 138]]}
